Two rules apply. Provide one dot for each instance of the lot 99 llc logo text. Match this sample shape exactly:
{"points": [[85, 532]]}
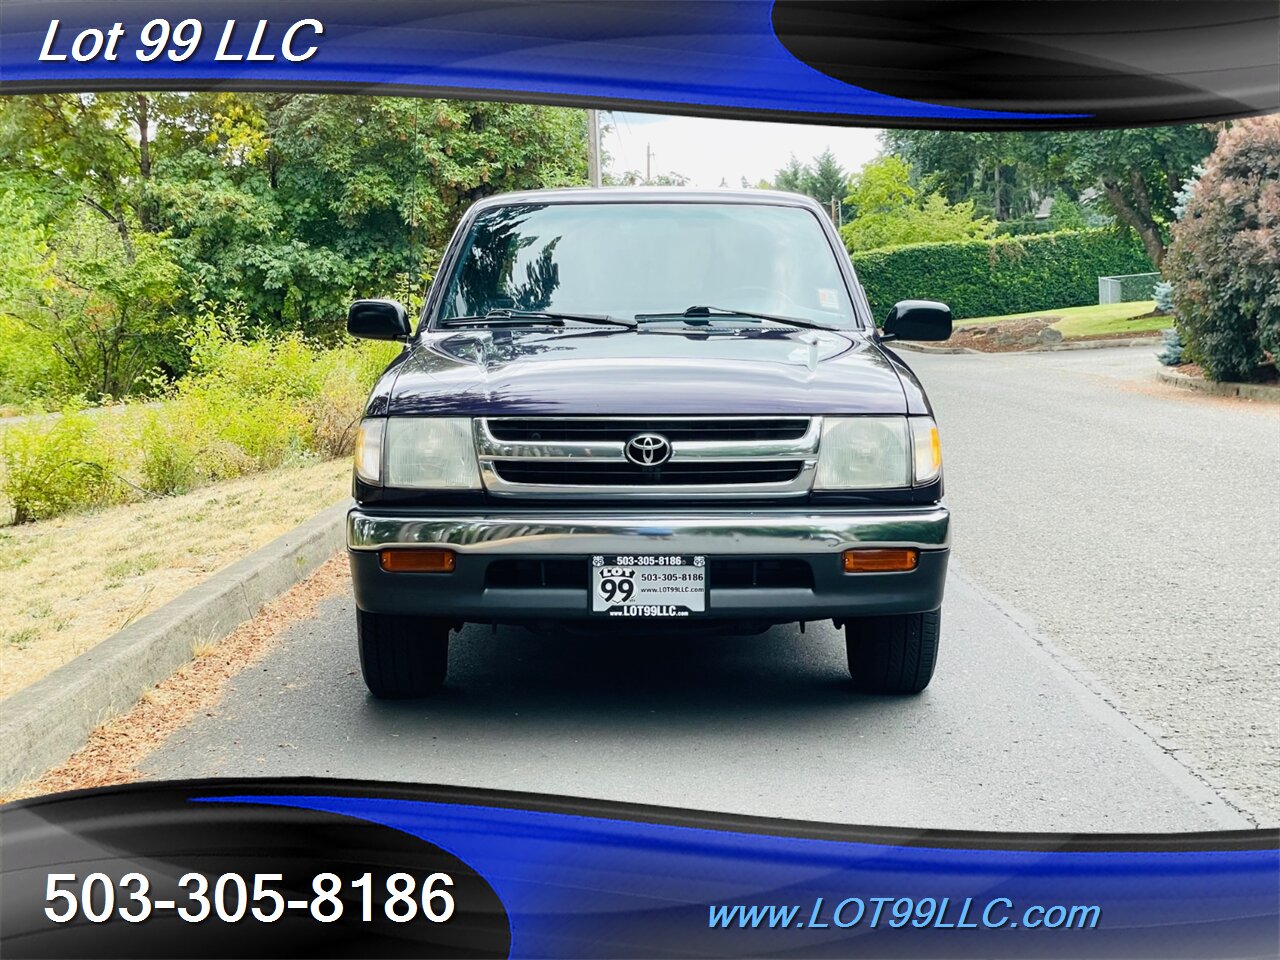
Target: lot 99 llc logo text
{"points": [[182, 40]]}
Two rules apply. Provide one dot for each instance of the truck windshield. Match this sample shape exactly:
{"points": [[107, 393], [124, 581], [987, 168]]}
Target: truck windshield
{"points": [[622, 259]]}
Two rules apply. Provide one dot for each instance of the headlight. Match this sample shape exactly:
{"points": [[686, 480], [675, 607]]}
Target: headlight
{"points": [[877, 453], [927, 449], [369, 450], [423, 452], [431, 452], [863, 453]]}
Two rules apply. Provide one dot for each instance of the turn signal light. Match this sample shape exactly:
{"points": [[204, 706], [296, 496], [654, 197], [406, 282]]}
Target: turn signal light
{"points": [[881, 560], [426, 560]]}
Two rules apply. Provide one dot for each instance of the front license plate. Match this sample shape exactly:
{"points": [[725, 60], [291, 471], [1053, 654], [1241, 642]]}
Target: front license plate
{"points": [[648, 586]]}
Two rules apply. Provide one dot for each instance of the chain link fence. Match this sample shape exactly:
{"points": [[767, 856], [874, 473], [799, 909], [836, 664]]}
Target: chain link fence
{"points": [[1130, 286]]}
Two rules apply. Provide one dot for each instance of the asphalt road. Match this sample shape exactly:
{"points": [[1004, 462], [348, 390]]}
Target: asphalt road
{"points": [[1138, 527], [1108, 660]]}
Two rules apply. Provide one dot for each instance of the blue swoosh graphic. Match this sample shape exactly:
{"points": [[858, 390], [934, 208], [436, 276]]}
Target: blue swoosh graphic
{"points": [[705, 54], [571, 883]]}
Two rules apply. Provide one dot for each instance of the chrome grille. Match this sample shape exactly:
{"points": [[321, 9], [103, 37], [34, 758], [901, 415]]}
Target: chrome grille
{"points": [[537, 430], [710, 456], [681, 472]]}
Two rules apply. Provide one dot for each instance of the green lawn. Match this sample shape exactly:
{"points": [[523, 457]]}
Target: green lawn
{"points": [[1083, 321]]}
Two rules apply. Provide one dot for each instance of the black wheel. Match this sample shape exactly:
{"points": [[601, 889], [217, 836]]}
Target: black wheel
{"points": [[402, 656], [894, 654]]}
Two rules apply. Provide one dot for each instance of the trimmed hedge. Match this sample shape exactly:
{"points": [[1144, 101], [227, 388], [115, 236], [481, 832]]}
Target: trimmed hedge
{"points": [[985, 278]]}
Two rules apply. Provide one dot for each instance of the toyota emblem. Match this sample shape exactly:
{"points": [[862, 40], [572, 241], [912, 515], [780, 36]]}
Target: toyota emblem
{"points": [[647, 449]]}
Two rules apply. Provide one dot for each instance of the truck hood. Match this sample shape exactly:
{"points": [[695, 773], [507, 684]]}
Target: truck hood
{"points": [[665, 370]]}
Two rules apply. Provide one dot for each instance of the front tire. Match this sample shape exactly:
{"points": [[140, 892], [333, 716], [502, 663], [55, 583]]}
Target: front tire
{"points": [[893, 654], [402, 656]]}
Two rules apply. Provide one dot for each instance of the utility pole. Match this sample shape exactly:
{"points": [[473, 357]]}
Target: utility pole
{"points": [[593, 146], [648, 163]]}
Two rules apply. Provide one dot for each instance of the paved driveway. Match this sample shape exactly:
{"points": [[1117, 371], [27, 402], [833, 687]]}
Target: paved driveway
{"points": [[1098, 517]]}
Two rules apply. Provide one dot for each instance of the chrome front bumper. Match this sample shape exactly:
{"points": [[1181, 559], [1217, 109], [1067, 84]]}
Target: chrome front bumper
{"points": [[550, 532]]}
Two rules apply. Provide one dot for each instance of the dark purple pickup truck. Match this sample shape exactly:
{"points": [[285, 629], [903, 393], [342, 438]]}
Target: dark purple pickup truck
{"points": [[647, 409]]}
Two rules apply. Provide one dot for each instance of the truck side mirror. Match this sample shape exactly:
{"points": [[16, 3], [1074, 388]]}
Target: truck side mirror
{"points": [[918, 320], [378, 320]]}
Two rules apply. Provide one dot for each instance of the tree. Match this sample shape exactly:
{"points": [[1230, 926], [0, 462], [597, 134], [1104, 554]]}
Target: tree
{"points": [[885, 210], [792, 177], [286, 203], [102, 303], [360, 194], [1138, 172], [634, 178], [107, 315], [80, 148], [882, 187], [825, 180], [1225, 259], [26, 262], [998, 171], [27, 365]]}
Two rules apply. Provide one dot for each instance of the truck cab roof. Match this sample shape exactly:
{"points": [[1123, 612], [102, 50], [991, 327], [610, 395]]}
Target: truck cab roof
{"points": [[649, 195]]}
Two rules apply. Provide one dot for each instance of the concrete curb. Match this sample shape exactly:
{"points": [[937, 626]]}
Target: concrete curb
{"points": [[48, 721], [1217, 388], [921, 348], [1047, 348], [1095, 344]]}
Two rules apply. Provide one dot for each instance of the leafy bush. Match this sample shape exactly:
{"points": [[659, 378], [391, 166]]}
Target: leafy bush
{"points": [[30, 373], [981, 278], [335, 408], [1225, 257], [61, 463], [212, 433], [250, 405], [245, 406], [1066, 214]]}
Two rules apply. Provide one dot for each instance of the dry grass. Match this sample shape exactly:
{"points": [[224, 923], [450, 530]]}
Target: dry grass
{"points": [[117, 748], [70, 582]]}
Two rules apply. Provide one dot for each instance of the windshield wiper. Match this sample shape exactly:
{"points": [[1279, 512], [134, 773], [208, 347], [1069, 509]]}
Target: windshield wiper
{"points": [[704, 313], [506, 315]]}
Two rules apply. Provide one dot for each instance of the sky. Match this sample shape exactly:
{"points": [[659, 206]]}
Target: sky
{"points": [[709, 151]]}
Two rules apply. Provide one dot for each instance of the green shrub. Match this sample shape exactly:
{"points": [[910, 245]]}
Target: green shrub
{"points": [[255, 405], [1225, 258], [169, 453], [245, 406], [185, 443], [983, 278], [57, 464], [345, 376], [30, 374]]}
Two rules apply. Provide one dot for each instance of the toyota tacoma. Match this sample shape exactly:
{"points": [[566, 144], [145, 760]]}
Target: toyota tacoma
{"points": [[640, 409]]}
